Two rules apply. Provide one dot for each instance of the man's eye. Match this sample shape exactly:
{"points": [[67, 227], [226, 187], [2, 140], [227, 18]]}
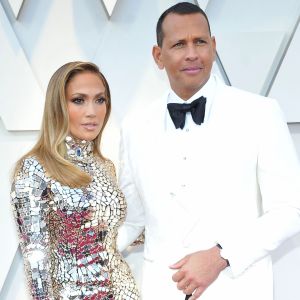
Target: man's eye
{"points": [[199, 42], [178, 45], [77, 100], [101, 100]]}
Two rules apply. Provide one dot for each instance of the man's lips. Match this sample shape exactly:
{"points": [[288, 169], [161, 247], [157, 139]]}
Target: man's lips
{"points": [[191, 70]]}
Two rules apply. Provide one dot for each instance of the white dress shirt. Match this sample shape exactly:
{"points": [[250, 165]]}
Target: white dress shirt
{"points": [[207, 91]]}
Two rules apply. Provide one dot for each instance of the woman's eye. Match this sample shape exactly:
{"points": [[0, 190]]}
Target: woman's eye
{"points": [[77, 100], [101, 100]]}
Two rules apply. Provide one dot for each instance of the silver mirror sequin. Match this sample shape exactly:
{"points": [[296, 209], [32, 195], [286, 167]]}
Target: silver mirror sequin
{"points": [[68, 235]]}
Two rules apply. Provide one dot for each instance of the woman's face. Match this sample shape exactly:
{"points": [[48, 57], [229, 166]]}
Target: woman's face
{"points": [[86, 103]]}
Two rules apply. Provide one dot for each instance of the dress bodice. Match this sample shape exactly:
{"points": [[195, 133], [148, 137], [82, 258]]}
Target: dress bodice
{"points": [[68, 235]]}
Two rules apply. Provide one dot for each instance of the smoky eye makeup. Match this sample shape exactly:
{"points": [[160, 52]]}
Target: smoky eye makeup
{"points": [[77, 100]]}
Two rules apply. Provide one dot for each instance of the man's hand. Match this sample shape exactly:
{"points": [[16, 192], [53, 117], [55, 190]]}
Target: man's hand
{"points": [[198, 270]]}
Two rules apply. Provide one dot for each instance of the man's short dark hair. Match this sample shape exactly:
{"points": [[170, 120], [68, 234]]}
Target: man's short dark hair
{"points": [[182, 8]]}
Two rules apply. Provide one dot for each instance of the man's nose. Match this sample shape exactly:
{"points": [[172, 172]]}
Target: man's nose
{"points": [[191, 52]]}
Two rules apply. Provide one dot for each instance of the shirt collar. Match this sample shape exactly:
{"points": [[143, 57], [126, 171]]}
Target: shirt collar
{"points": [[207, 91]]}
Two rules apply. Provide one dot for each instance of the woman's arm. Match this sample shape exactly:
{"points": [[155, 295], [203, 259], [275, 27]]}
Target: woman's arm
{"points": [[31, 207]]}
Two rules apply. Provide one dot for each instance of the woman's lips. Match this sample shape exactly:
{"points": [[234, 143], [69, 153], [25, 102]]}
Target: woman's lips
{"points": [[90, 126]]}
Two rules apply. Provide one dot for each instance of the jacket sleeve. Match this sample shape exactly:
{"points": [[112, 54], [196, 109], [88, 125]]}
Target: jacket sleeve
{"points": [[31, 208], [135, 218], [278, 177]]}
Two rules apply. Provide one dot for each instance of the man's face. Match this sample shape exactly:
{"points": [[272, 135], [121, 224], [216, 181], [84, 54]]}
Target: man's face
{"points": [[187, 52]]}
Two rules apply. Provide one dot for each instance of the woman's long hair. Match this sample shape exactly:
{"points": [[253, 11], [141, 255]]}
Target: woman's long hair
{"points": [[50, 148]]}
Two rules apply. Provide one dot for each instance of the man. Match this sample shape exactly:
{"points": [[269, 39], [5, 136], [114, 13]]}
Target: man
{"points": [[215, 182]]}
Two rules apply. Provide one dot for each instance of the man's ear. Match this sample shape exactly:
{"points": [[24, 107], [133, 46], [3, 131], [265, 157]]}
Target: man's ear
{"points": [[156, 53], [213, 39]]}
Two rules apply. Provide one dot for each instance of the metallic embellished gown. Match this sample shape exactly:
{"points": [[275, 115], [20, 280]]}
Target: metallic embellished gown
{"points": [[68, 235]]}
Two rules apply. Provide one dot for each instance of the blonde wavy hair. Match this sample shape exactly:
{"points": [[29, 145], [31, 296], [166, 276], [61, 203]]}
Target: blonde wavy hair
{"points": [[50, 148]]}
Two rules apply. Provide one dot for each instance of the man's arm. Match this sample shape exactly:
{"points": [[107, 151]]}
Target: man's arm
{"points": [[198, 270], [134, 223], [278, 177]]}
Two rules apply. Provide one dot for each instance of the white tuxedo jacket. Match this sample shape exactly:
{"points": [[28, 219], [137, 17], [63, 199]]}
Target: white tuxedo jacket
{"points": [[234, 181]]}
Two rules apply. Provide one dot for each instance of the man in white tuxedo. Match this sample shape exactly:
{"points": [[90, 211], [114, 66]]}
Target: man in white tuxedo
{"points": [[210, 172]]}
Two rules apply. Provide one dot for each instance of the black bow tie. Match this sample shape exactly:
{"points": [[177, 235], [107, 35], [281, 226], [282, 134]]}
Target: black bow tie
{"points": [[178, 111]]}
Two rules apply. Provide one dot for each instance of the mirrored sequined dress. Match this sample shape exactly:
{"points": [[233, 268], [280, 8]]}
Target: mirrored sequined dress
{"points": [[68, 235]]}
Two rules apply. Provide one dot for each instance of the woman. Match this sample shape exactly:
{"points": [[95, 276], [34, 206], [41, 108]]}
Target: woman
{"points": [[66, 202]]}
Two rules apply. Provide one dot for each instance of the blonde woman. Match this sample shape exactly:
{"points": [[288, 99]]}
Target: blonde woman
{"points": [[66, 202]]}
